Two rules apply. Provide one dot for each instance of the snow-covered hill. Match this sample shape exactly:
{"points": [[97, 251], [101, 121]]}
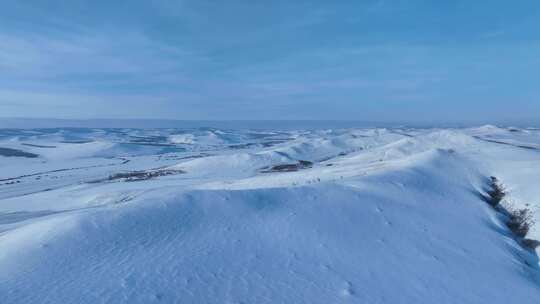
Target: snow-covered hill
{"points": [[224, 216]]}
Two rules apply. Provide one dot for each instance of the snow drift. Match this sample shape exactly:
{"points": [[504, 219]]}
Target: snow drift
{"points": [[395, 219]]}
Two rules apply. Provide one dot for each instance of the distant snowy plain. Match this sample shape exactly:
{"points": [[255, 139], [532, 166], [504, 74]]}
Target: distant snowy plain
{"points": [[209, 215]]}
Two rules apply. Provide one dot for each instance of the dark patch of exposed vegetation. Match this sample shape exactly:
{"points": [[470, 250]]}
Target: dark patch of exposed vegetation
{"points": [[301, 164], [8, 152], [148, 139], [272, 143], [242, 146], [178, 157], [135, 176], [38, 146], [81, 141], [12, 182]]}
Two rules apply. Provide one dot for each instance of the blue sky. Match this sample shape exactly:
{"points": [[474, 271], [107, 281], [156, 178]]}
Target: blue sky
{"points": [[373, 60]]}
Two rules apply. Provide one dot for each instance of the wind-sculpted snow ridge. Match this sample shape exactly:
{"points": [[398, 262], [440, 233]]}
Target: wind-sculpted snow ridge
{"points": [[378, 216]]}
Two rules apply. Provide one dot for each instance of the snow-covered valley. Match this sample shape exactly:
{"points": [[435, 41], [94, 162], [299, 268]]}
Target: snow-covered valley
{"points": [[207, 215]]}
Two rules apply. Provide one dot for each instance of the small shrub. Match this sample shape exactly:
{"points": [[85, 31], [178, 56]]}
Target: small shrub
{"points": [[496, 193], [531, 244], [520, 221]]}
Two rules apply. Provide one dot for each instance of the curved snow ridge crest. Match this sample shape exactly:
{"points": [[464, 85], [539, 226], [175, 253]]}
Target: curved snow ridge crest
{"points": [[441, 171]]}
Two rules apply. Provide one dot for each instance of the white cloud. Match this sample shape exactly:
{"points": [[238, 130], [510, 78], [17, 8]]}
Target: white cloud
{"points": [[89, 53]]}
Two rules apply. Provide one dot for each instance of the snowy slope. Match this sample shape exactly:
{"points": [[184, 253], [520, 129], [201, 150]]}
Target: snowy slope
{"points": [[381, 216]]}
